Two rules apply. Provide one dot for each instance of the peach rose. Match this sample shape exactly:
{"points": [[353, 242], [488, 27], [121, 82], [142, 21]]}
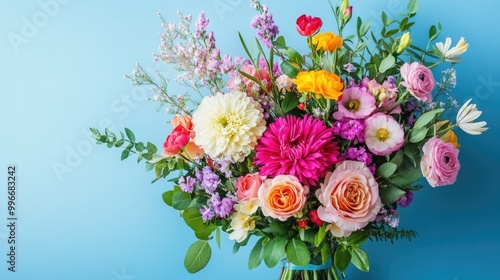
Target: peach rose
{"points": [[248, 186], [282, 197], [349, 198]]}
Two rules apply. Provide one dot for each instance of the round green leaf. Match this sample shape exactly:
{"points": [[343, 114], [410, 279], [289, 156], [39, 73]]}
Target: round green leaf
{"points": [[274, 250], [197, 256], [297, 252], [341, 259], [181, 200]]}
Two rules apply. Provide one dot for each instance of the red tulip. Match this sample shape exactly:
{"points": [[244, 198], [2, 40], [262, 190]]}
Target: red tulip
{"points": [[308, 25]]}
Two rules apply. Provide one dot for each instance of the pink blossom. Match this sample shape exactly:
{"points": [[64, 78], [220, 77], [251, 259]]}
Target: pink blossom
{"points": [[383, 134], [439, 163], [356, 103], [302, 147], [418, 80]]}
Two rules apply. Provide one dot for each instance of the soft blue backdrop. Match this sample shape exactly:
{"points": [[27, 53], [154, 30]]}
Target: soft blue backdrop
{"points": [[83, 214]]}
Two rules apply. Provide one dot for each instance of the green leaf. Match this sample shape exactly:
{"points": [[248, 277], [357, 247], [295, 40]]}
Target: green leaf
{"points": [[192, 217], [125, 154], [398, 157], [288, 69], [217, 237], [139, 146], [181, 200], [294, 56], [130, 135], [119, 143], [390, 194], [197, 256], [387, 169], [280, 42], [427, 117], [274, 250], [417, 135], [357, 238], [360, 259], [149, 166], [320, 235], [432, 32], [387, 63], [413, 7], [290, 102], [278, 228], [151, 148], [256, 255], [297, 252], [341, 259], [167, 197], [407, 173]]}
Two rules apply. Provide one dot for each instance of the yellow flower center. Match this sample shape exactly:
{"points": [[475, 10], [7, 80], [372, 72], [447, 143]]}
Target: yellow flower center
{"points": [[353, 105], [382, 134], [228, 124]]}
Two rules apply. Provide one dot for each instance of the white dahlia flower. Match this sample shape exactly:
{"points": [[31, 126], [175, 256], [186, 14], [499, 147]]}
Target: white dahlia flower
{"points": [[228, 125]]}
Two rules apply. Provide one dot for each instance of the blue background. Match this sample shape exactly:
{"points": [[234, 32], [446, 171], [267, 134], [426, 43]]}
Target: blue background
{"points": [[83, 214]]}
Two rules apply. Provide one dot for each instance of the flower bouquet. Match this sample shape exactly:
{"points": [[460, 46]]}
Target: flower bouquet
{"points": [[311, 154]]}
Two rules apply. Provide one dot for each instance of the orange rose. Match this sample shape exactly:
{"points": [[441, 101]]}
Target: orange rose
{"points": [[282, 197]]}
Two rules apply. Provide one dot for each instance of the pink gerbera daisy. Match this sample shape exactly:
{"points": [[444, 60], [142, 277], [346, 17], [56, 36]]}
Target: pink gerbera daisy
{"points": [[302, 147], [356, 103]]}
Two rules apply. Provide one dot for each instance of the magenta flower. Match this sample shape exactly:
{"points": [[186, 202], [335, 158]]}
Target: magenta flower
{"points": [[356, 103], [302, 147]]}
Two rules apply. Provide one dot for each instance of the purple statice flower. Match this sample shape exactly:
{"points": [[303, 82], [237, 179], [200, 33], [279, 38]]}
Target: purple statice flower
{"points": [[224, 167], [360, 154], [206, 213], [265, 24], [209, 181], [406, 199], [201, 25], [389, 216], [221, 207], [350, 129], [187, 184], [226, 64], [348, 67]]}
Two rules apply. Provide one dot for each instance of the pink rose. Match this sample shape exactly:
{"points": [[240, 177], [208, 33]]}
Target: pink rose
{"points": [[248, 186], [282, 197], [177, 139], [439, 164], [349, 198], [243, 83], [308, 25], [418, 80]]}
